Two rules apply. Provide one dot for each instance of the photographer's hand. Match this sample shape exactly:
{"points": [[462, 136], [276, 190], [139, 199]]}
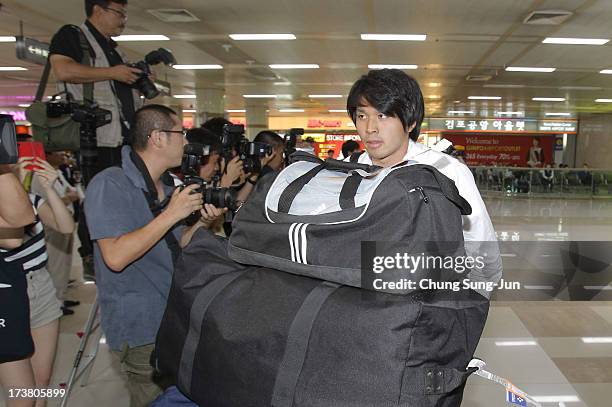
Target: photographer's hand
{"points": [[125, 74], [183, 203], [210, 214], [234, 171]]}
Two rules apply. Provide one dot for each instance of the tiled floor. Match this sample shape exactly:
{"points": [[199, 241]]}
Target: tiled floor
{"points": [[539, 346]]}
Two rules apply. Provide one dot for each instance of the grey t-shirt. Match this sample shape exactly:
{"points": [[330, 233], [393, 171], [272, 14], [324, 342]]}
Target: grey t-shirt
{"points": [[132, 302]]}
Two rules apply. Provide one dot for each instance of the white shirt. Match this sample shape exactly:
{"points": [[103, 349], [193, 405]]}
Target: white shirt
{"points": [[477, 227]]}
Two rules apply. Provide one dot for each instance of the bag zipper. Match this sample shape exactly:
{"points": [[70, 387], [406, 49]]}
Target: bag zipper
{"points": [[422, 192]]}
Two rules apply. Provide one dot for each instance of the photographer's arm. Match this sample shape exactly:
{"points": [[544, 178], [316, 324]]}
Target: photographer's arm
{"points": [[119, 252], [15, 208], [209, 214], [67, 69]]}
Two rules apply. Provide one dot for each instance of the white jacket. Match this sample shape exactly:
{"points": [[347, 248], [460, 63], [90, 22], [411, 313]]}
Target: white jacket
{"points": [[477, 227]]}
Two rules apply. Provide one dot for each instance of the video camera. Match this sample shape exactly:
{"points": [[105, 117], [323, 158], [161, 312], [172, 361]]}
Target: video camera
{"points": [[90, 116], [291, 142], [190, 168], [144, 84], [9, 152], [235, 143]]}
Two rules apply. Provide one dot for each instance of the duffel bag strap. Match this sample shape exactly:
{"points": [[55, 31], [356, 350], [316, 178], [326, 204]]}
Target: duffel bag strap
{"points": [[349, 189], [297, 344], [196, 318]]}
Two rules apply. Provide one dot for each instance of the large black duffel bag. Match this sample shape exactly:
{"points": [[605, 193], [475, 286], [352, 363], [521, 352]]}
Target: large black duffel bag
{"points": [[290, 324], [243, 336]]}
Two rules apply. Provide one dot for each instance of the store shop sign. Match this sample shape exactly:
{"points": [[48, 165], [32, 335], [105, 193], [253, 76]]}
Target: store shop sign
{"points": [[316, 123], [31, 50], [492, 125], [18, 116], [561, 127]]}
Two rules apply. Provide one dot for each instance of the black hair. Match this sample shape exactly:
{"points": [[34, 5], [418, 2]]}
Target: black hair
{"points": [[207, 138], [216, 125], [269, 137], [392, 92], [147, 119], [349, 147], [89, 5]]}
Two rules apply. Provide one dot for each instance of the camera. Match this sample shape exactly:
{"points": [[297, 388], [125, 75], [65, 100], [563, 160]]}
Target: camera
{"points": [[143, 83], [190, 168], [234, 141], [90, 116], [291, 142], [8, 140]]}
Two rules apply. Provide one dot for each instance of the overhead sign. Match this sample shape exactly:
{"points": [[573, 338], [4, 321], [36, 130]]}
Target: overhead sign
{"points": [[502, 125], [31, 50], [557, 126]]}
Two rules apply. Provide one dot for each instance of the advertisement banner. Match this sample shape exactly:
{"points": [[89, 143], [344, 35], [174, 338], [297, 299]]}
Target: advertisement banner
{"points": [[520, 151]]}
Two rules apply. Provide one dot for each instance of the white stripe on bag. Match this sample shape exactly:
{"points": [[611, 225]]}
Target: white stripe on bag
{"points": [[296, 242], [304, 244], [291, 241]]}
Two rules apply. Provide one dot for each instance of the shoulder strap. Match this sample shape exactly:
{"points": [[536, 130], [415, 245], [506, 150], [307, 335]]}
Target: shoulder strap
{"points": [[89, 56], [40, 92]]}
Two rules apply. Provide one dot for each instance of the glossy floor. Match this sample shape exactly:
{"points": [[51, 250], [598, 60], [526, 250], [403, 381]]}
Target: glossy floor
{"points": [[559, 352]]}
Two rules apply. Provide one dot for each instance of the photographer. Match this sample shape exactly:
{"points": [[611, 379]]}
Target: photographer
{"points": [[138, 241], [112, 79]]}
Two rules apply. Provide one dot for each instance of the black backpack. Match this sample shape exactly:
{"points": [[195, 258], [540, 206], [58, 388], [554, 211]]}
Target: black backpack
{"points": [[243, 335]]}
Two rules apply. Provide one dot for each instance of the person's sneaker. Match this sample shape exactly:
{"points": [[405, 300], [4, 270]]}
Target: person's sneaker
{"points": [[67, 311], [70, 303], [88, 268]]}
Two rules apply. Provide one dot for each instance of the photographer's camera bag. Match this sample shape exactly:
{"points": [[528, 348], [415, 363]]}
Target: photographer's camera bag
{"points": [[259, 332]]}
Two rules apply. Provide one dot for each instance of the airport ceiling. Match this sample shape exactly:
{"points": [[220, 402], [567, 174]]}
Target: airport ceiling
{"points": [[466, 40]]}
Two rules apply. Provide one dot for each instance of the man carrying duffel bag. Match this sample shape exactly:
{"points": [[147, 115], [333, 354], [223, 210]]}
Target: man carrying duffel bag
{"points": [[292, 321]]}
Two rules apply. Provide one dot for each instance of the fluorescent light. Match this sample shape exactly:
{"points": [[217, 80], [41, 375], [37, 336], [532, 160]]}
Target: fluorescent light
{"points": [[12, 68], [556, 399], [141, 38], [260, 96], [294, 66], [212, 66], [383, 66], [529, 69], [7, 38], [580, 88], [502, 86], [460, 112], [24, 105], [324, 96], [548, 99], [236, 110], [393, 37], [184, 96], [265, 37], [282, 84], [434, 84], [484, 97], [600, 339], [576, 41], [603, 100], [337, 110], [189, 110], [558, 114], [606, 71], [291, 110], [516, 343], [510, 113]]}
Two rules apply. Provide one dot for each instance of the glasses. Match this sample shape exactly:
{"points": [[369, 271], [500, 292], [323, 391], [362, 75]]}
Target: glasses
{"points": [[122, 14], [183, 132]]}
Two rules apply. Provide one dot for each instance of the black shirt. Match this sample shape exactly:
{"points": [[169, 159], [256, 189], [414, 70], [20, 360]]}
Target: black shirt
{"points": [[66, 42]]}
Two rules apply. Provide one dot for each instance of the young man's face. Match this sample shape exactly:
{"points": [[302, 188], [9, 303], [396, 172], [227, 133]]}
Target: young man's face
{"points": [[384, 136]]}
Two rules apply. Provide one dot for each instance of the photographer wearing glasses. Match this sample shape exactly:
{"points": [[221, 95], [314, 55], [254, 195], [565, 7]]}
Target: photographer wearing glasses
{"points": [[112, 78], [134, 214]]}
